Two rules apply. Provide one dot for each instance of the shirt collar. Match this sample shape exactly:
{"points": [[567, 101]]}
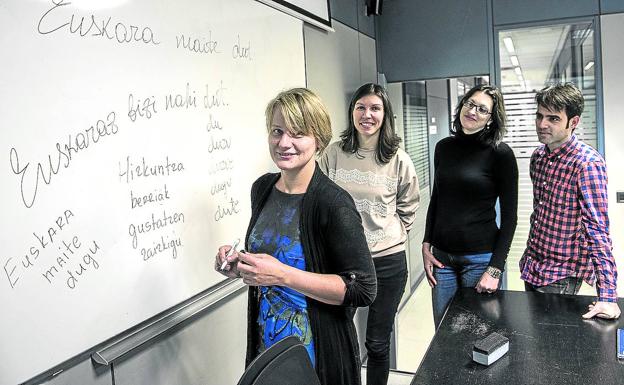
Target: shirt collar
{"points": [[562, 150]]}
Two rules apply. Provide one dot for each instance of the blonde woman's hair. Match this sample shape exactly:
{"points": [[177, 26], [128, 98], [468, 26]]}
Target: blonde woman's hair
{"points": [[304, 114]]}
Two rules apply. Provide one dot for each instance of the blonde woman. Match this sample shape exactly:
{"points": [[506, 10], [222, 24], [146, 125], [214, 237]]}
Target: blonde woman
{"points": [[307, 264]]}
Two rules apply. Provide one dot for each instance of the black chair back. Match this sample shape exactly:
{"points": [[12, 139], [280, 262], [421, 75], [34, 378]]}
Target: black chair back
{"points": [[284, 363]]}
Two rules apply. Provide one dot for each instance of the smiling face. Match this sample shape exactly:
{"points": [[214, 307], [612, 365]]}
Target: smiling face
{"points": [[553, 127], [290, 152], [476, 112], [368, 117]]}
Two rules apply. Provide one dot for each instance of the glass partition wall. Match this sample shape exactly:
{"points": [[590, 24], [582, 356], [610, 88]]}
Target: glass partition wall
{"points": [[531, 58], [427, 113]]}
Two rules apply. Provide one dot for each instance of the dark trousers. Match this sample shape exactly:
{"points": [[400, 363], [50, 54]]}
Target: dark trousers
{"points": [[569, 285], [391, 277]]}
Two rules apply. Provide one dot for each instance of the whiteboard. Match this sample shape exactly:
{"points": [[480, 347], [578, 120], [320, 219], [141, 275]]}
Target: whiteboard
{"points": [[313, 11], [131, 131]]}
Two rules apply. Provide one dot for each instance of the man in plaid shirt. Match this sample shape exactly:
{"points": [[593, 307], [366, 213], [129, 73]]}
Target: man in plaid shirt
{"points": [[569, 238]]}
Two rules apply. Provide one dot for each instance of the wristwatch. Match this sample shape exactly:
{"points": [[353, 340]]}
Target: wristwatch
{"points": [[494, 272]]}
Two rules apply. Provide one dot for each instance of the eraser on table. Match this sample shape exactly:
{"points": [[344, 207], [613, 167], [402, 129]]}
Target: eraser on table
{"points": [[489, 349]]}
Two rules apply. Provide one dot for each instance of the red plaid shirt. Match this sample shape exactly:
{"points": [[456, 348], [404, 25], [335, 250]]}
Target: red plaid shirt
{"points": [[569, 233]]}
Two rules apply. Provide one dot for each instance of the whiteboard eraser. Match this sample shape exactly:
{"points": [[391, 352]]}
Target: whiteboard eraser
{"points": [[489, 349]]}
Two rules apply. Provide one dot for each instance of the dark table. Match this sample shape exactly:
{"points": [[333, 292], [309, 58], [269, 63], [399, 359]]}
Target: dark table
{"points": [[549, 342]]}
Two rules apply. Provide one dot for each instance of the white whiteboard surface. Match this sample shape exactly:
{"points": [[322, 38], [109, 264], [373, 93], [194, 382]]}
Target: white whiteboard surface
{"points": [[130, 134]]}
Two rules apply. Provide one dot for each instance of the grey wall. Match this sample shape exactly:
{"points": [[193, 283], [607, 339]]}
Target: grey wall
{"points": [[337, 63], [208, 350], [352, 14], [513, 11], [432, 39], [395, 94], [344, 11], [438, 109], [83, 373], [611, 6], [366, 24]]}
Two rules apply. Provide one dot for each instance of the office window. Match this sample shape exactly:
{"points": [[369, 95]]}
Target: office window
{"points": [[531, 58], [415, 126]]}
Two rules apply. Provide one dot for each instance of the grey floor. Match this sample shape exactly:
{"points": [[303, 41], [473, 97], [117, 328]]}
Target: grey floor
{"points": [[395, 378], [414, 329]]}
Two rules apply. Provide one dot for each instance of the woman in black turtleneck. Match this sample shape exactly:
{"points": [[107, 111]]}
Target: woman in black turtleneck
{"points": [[463, 246]]}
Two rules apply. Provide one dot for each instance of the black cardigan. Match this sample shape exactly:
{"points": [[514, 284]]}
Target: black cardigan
{"points": [[333, 242]]}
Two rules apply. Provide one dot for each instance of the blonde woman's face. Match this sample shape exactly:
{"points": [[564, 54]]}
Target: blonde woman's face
{"points": [[290, 152]]}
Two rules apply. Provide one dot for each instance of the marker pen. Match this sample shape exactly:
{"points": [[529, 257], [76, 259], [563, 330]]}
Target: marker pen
{"points": [[229, 253]]}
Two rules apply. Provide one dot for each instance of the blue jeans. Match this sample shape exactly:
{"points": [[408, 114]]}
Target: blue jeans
{"points": [[459, 271], [391, 278]]}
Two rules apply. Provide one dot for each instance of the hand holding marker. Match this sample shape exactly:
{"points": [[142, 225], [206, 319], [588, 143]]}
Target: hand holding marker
{"points": [[229, 253]]}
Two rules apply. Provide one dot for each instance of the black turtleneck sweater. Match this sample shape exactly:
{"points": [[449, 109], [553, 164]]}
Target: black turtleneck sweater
{"points": [[469, 176]]}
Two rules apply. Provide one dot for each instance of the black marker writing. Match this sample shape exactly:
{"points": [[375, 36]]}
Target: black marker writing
{"points": [[71, 248], [197, 45], [29, 178], [216, 99], [158, 196], [131, 171], [15, 267], [9, 270], [145, 109], [241, 52], [213, 124], [186, 101], [160, 246], [219, 144], [119, 31], [221, 186], [221, 165], [153, 224], [229, 209], [88, 260]]}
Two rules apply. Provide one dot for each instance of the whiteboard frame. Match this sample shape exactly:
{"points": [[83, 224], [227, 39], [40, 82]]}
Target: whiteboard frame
{"points": [[126, 342], [132, 339], [302, 14]]}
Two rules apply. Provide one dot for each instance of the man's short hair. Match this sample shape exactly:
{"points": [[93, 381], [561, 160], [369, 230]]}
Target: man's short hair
{"points": [[562, 97]]}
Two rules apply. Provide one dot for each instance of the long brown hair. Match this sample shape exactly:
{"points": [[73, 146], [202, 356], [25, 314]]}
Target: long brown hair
{"points": [[388, 142]]}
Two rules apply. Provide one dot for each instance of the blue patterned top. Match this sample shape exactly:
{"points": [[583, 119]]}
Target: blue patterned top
{"points": [[283, 311]]}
